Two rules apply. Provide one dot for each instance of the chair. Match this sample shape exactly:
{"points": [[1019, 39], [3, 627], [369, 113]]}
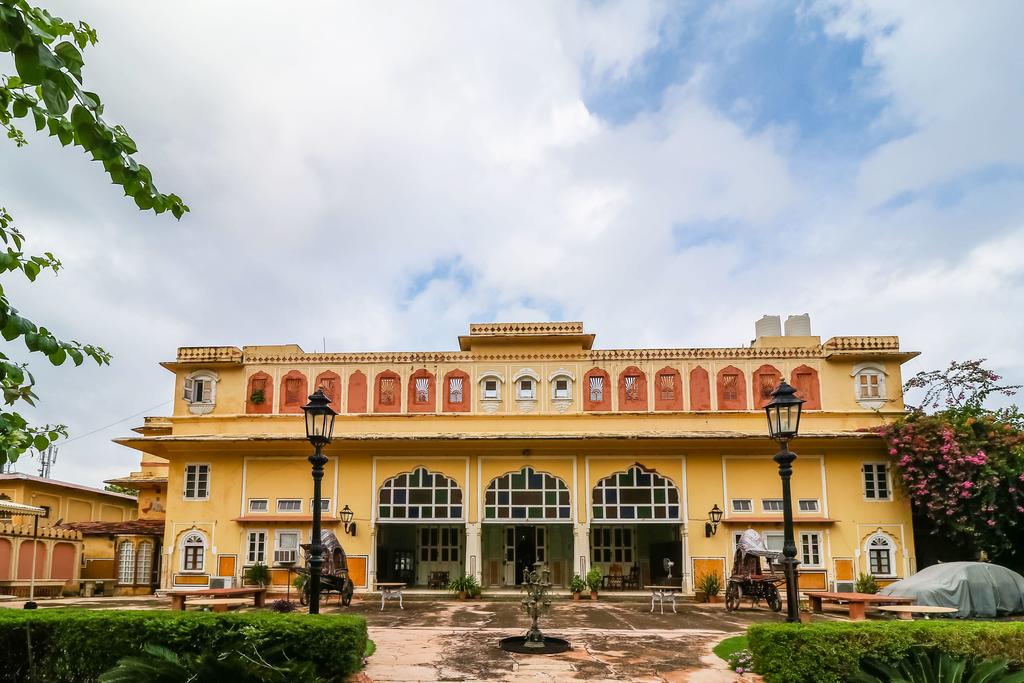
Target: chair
{"points": [[438, 580], [615, 578], [633, 580]]}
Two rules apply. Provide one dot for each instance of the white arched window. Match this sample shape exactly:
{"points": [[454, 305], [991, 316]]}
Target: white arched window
{"points": [[527, 495], [126, 563], [193, 552], [526, 382], [561, 385], [869, 385], [200, 391], [490, 386], [144, 562], [881, 555]]}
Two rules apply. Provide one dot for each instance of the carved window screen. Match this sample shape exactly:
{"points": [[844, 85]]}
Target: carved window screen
{"points": [[422, 389], [667, 386], [729, 391], [767, 385], [597, 389], [329, 386], [455, 390], [387, 391], [293, 391], [632, 388]]}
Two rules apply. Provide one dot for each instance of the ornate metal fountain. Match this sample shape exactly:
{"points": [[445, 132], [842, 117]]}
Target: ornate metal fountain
{"points": [[536, 584]]}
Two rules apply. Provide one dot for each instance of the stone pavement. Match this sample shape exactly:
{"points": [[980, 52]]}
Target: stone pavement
{"points": [[620, 641]]}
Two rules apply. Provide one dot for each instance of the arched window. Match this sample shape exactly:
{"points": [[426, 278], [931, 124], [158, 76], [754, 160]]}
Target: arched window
{"points": [[526, 382], [596, 392], [330, 382], [144, 563], [260, 398], [561, 385], [527, 494], [294, 392], [200, 391], [632, 389], [419, 495], [490, 385], [193, 552], [4, 516], [881, 555], [636, 494], [766, 379], [126, 562], [732, 389], [421, 398], [869, 385]]}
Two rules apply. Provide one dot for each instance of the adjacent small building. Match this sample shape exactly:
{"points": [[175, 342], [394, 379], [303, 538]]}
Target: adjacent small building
{"points": [[528, 444], [61, 551]]}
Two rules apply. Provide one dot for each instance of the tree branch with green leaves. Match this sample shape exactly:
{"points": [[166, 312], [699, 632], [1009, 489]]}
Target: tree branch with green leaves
{"points": [[47, 52]]}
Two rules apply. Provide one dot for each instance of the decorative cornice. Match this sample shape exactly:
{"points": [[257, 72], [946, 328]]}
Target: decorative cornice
{"points": [[525, 329], [209, 354]]}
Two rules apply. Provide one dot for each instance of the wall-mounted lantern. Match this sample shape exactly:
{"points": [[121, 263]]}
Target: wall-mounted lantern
{"points": [[714, 517], [346, 520]]}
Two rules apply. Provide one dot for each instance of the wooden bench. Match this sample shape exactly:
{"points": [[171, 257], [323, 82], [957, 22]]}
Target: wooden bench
{"points": [[220, 604], [178, 597], [855, 601], [908, 611]]}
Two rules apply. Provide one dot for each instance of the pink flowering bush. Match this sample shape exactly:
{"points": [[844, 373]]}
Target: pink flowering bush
{"points": [[963, 466]]}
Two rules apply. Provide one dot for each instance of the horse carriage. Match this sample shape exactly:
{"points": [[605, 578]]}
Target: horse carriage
{"points": [[748, 580], [333, 572]]}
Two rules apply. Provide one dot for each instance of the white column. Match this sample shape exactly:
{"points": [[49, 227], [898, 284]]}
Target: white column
{"points": [[474, 551], [581, 548], [684, 571], [371, 570]]}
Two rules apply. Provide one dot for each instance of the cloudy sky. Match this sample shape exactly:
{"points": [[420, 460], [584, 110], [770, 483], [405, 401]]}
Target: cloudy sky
{"points": [[379, 175]]}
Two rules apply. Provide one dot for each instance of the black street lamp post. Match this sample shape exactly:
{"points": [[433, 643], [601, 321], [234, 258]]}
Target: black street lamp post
{"points": [[783, 413], [319, 427]]}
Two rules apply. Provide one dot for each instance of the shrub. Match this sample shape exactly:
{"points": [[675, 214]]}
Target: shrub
{"points": [[283, 606], [594, 579], [832, 652], [463, 584], [258, 573], [710, 584], [866, 584], [930, 665], [577, 584], [77, 645], [741, 662]]}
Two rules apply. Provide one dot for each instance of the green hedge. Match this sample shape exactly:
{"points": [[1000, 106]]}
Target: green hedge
{"points": [[830, 652], [79, 645]]}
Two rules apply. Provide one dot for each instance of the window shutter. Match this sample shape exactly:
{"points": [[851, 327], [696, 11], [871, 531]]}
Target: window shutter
{"points": [[207, 391], [189, 389]]}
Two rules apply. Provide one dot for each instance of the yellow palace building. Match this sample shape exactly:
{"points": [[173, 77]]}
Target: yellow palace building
{"points": [[528, 444]]}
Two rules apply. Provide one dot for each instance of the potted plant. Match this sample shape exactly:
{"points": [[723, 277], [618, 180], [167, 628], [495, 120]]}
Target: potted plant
{"points": [[257, 397], [463, 585], [259, 574], [866, 584], [708, 587], [594, 579], [577, 585]]}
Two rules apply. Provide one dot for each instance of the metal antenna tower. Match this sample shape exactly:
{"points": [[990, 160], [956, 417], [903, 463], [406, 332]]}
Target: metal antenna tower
{"points": [[46, 460]]}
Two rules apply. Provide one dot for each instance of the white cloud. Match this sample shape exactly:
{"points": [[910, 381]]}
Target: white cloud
{"points": [[336, 156]]}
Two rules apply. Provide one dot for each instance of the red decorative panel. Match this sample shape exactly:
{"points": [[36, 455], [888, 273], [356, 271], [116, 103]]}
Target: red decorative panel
{"points": [[668, 389], [732, 389], [422, 398], [766, 378], [805, 381], [330, 382], [294, 392], [25, 560], [387, 392], [632, 389], [456, 396], [597, 390], [700, 389], [6, 550], [260, 382], [356, 393], [63, 561]]}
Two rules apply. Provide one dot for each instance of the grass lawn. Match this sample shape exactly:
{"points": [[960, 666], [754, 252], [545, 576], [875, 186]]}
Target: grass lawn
{"points": [[730, 646]]}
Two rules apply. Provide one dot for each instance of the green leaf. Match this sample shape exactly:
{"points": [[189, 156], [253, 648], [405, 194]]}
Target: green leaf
{"points": [[55, 99], [76, 355], [12, 329], [26, 61], [58, 357], [40, 442], [19, 108], [71, 57], [31, 270], [40, 118]]}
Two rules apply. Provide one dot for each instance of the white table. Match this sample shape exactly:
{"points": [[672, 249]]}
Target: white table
{"points": [[661, 594], [390, 591]]}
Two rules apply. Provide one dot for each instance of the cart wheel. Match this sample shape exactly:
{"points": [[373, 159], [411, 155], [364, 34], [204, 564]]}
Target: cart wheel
{"points": [[773, 598], [346, 593], [304, 594], [732, 597]]}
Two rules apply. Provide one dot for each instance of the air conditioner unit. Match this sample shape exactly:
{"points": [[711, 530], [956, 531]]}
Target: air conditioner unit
{"points": [[284, 556], [844, 586], [222, 582]]}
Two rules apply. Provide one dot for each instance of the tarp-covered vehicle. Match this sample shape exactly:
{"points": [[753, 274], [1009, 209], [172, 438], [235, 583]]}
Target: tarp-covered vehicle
{"points": [[974, 589], [749, 579]]}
